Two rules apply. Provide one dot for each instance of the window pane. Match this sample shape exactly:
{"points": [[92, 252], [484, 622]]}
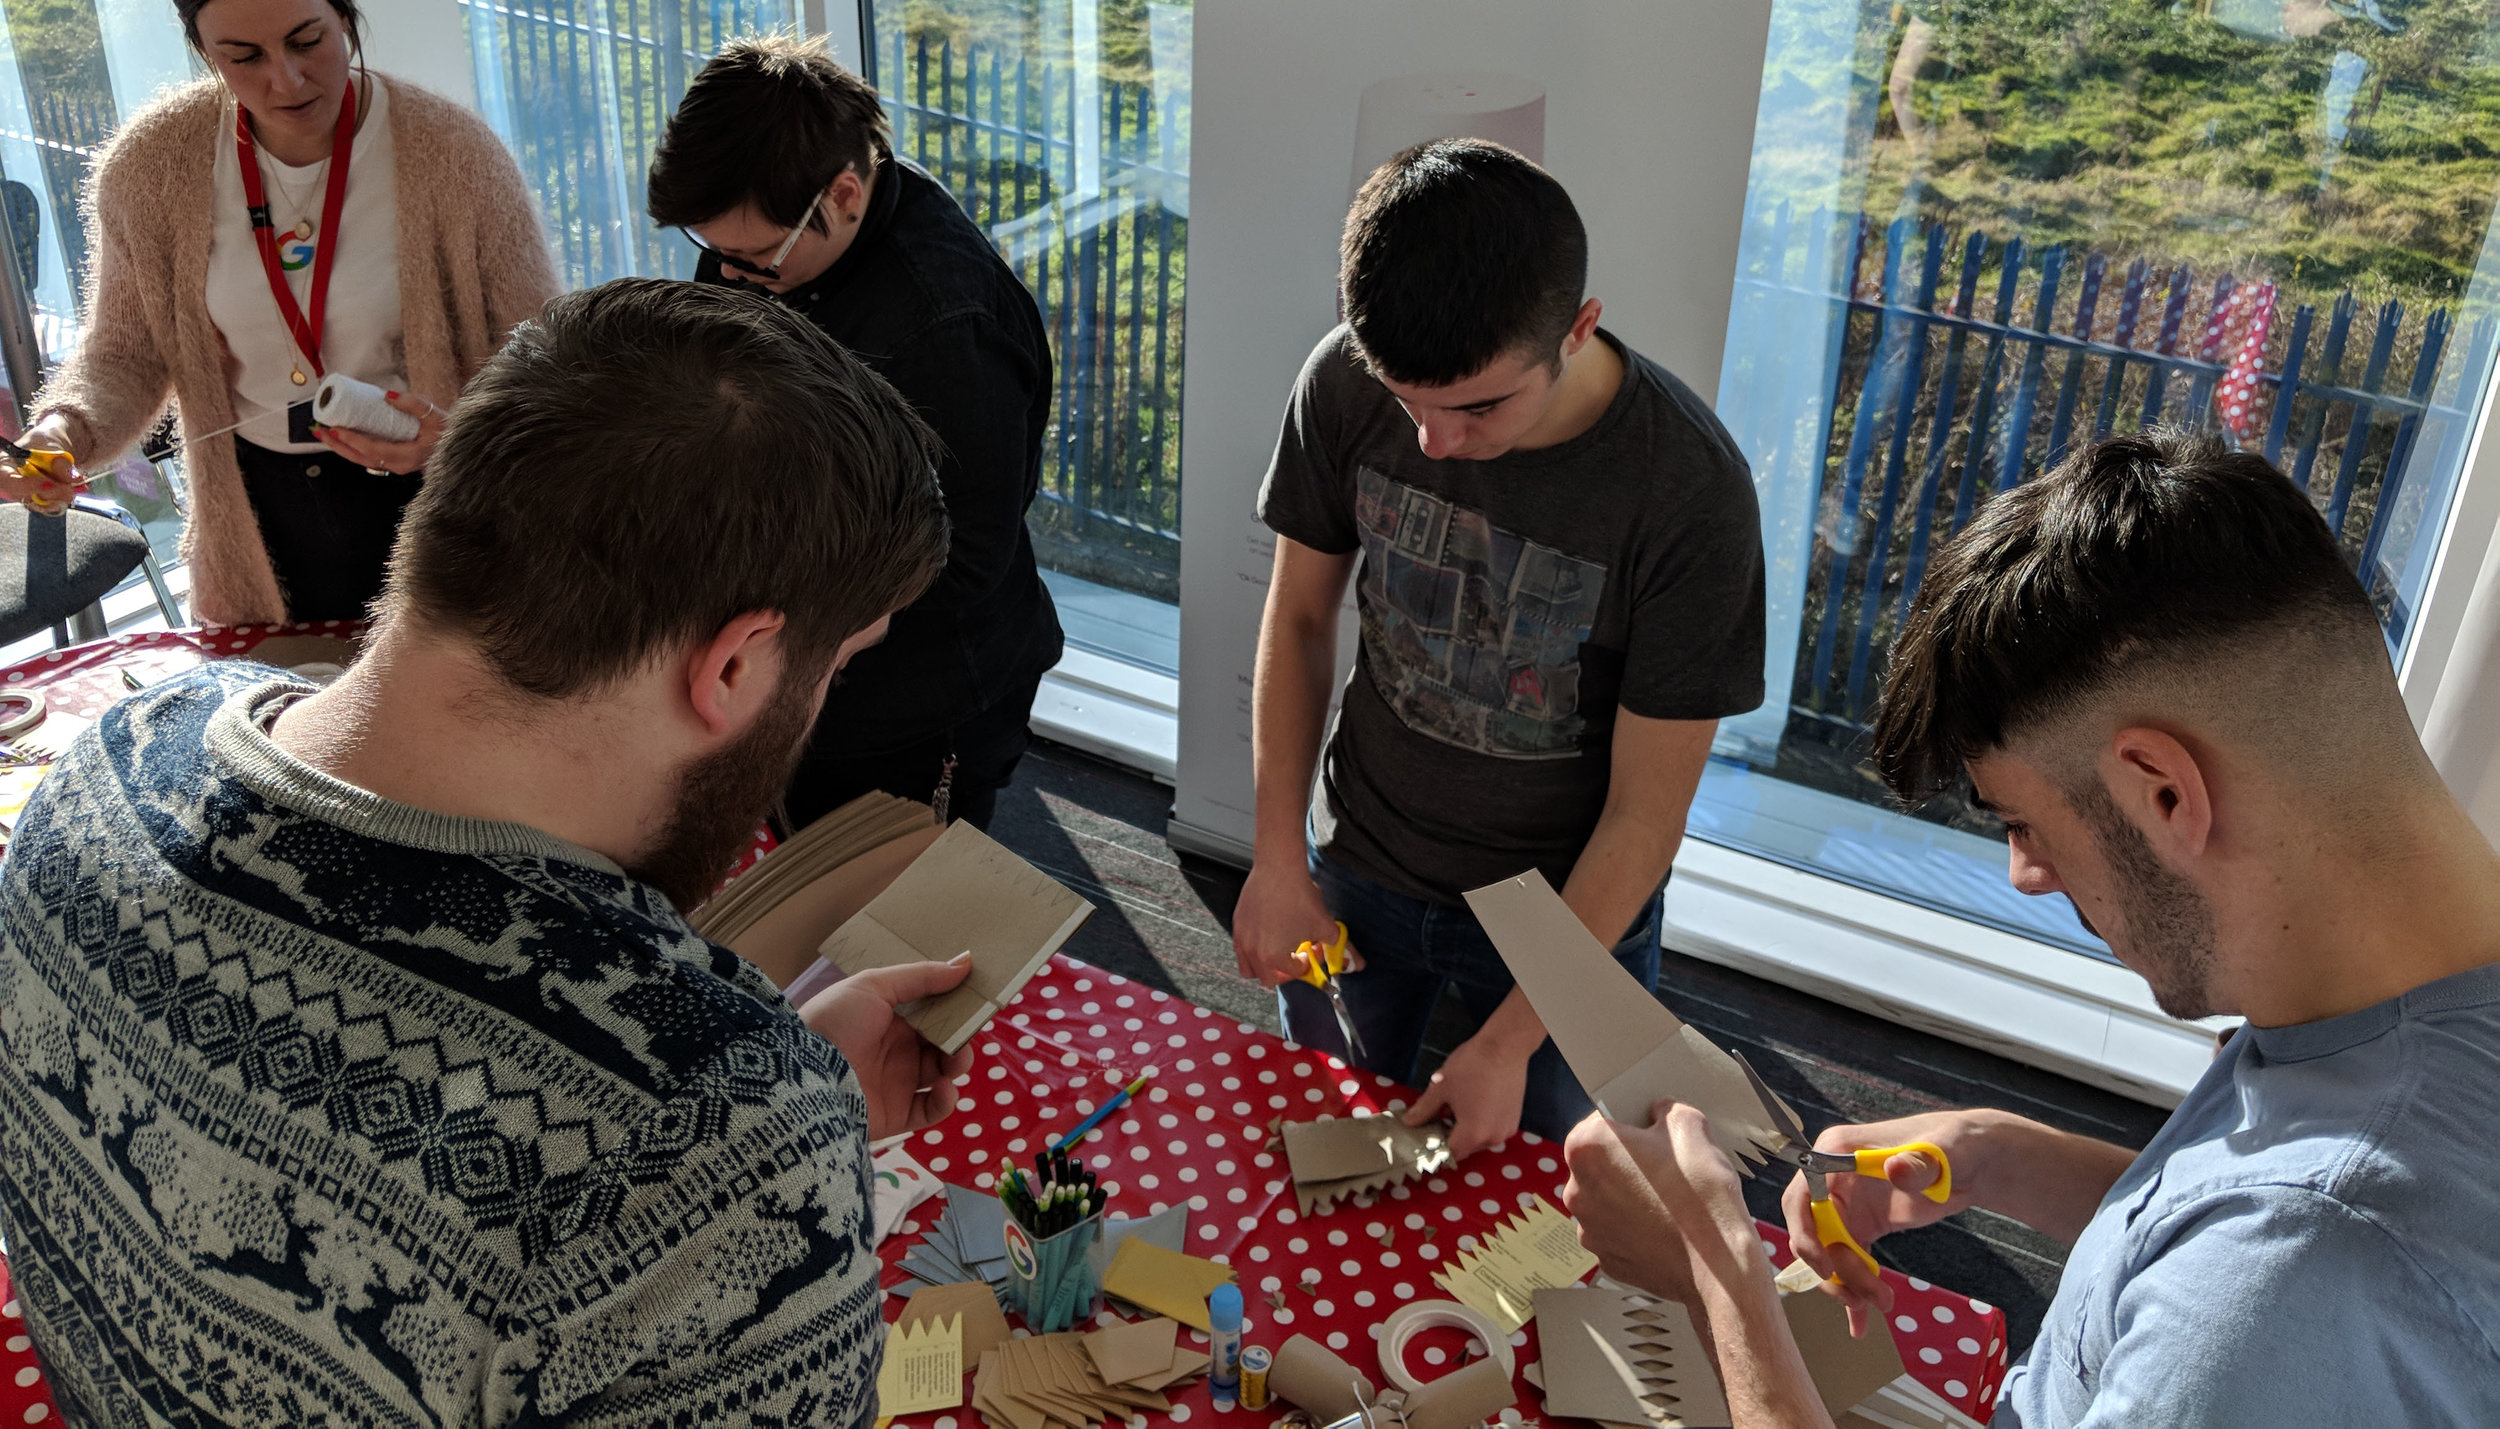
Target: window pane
{"points": [[580, 89], [1063, 129], [1980, 235]]}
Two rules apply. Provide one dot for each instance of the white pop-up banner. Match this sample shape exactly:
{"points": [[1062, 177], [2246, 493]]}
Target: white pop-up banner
{"points": [[1644, 109]]}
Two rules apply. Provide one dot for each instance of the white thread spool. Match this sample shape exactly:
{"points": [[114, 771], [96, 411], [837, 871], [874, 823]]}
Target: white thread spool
{"points": [[342, 401]]}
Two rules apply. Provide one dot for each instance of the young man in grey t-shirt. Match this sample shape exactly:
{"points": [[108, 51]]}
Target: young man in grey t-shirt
{"points": [[1561, 595], [2155, 665]]}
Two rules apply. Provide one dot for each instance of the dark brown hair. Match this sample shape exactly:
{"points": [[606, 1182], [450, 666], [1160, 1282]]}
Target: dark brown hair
{"points": [[2157, 546], [1458, 252], [647, 460], [188, 11], [770, 121]]}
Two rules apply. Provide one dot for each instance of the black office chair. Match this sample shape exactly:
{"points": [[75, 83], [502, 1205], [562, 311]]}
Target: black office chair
{"points": [[54, 569]]}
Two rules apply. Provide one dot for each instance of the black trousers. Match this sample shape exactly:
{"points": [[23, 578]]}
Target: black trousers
{"points": [[985, 749], [328, 524]]}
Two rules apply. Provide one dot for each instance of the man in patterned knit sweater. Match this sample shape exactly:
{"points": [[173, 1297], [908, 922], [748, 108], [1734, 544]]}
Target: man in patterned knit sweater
{"points": [[357, 1064]]}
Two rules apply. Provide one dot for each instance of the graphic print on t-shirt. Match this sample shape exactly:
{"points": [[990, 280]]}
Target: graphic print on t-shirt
{"points": [[1473, 633]]}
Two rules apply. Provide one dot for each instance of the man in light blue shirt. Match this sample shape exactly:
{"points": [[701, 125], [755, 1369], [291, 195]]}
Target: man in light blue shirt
{"points": [[2155, 667]]}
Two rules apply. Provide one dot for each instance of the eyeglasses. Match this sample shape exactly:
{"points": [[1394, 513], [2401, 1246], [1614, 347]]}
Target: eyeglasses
{"points": [[770, 270]]}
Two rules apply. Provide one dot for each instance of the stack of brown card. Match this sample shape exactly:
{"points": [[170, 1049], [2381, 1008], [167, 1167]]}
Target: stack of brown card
{"points": [[1065, 1380], [776, 914], [1353, 1156]]}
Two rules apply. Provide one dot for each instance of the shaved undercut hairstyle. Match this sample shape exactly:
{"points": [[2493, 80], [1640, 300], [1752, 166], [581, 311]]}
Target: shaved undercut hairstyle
{"points": [[646, 461], [772, 121], [1458, 252], [2151, 576]]}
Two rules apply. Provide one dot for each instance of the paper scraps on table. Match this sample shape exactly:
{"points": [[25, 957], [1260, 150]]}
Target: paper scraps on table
{"points": [[1163, 1282], [1537, 1249], [971, 1303], [967, 892], [1624, 1046], [1048, 1380], [898, 1183], [968, 1243], [924, 1368], [1621, 1357], [1336, 1159]]}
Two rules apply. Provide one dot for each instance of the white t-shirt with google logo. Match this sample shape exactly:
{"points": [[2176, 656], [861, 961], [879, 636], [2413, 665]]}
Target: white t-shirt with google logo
{"points": [[361, 336]]}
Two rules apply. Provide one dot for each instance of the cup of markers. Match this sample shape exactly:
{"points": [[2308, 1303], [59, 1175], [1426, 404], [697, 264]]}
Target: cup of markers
{"points": [[1054, 1241]]}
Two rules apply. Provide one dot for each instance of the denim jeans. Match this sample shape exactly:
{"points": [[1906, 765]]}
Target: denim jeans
{"points": [[1412, 949]]}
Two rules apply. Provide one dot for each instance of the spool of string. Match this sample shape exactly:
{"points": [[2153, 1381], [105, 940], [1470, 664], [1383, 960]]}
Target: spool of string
{"points": [[342, 401]]}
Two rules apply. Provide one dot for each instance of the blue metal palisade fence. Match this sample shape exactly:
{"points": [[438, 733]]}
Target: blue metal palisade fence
{"points": [[581, 89], [1944, 397], [1106, 260]]}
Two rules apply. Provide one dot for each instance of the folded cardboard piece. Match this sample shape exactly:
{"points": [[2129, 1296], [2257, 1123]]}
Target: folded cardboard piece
{"points": [[1165, 1282], [971, 1304], [1064, 1380], [923, 1367], [1333, 1160], [1537, 1249], [1615, 1355], [1626, 1048], [965, 893], [776, 914]]}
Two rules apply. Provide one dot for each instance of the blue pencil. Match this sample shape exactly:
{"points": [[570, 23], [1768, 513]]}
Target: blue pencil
{"points": [[1089, 1123]]}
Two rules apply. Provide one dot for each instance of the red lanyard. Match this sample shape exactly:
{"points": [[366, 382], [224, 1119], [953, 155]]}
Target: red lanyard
{"points": [[307, 331]]}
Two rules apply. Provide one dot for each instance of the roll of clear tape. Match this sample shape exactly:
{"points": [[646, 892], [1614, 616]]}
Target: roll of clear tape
{"points": [[1417, 1316], [342, 401]]}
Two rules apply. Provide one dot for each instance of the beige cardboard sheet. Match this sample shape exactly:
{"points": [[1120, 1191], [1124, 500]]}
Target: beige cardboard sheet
{"points": [[965, 892], [1623, 1044]]}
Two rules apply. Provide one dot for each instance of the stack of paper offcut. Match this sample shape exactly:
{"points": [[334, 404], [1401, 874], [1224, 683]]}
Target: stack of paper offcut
{"points": [[777, 913], [968, 1243], [1064, 1380], [1354, 1156]]}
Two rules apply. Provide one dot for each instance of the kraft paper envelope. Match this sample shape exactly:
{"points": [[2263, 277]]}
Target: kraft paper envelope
{"points": [[1126, 1352], [1622, 1043], [1845, 1371], [965, 893]]}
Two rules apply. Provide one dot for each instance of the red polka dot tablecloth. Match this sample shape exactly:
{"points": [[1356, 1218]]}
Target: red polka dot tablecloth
{"points": [[1199, 1135], [86, 680], [24, 1398]]}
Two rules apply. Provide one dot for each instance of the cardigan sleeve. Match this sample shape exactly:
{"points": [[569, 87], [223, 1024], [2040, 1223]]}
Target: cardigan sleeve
{"points": [[119, 379]]}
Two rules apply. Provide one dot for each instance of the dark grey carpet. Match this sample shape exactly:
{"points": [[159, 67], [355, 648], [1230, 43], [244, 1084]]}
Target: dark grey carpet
{"points": [[1162, 920]]}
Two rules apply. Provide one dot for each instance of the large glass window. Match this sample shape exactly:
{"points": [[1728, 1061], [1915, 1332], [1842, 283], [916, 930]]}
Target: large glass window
{"points": [[1982, 232], [1062, 127], [581, 90]]}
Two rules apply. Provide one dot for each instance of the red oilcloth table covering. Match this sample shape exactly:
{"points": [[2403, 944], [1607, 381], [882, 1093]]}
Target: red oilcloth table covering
{"points": [[1199, 1134]]}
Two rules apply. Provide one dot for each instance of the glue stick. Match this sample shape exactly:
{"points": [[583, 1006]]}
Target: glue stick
{"points": [[1224, 1345]]}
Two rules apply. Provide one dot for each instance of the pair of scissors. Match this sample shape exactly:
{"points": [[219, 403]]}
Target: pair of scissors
{"points": [[1796, 1149], [1320, 966], [40, 466]]}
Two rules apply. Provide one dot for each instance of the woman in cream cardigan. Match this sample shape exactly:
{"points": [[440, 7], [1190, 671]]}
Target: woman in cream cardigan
{"points": [[437, 254]]}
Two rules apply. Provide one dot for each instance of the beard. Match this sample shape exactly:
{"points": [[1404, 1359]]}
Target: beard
{"points": [[2169, 923], [723, 795]]}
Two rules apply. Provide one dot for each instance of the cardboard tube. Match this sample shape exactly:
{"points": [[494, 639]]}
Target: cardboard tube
{"points": [[1461, 1397], [1309, 1376]]}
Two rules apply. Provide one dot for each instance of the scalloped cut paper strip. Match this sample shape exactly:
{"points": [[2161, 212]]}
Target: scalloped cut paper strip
{"points": [[1622, 1043], [1355, 1156]]}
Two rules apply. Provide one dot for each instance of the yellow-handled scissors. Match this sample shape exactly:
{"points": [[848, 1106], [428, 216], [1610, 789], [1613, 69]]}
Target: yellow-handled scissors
{"points": [[1796, 1150], [41, 466], [1320, 966]]}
